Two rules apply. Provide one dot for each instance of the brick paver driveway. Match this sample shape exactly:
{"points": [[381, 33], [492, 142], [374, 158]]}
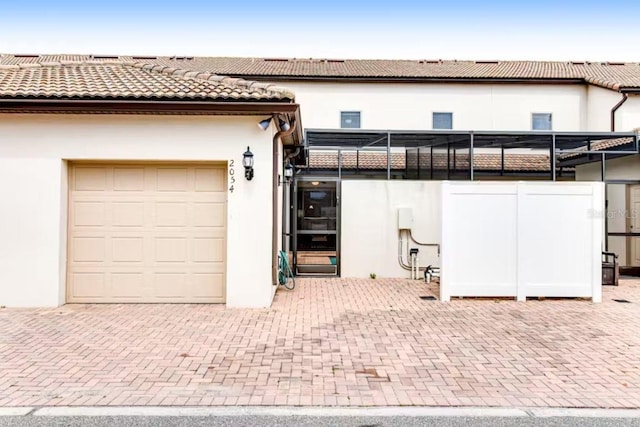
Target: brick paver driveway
{"points": [[329, 342]]}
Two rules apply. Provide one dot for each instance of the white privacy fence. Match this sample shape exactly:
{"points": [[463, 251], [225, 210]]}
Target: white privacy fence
{"points": [[521, 239]]}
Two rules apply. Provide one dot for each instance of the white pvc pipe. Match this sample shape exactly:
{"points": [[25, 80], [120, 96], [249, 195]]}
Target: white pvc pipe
{"points": [[413, 266]]}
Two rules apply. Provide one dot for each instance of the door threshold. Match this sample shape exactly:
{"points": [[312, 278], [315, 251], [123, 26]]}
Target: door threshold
{"points": [[317, 269], [317, 275]]}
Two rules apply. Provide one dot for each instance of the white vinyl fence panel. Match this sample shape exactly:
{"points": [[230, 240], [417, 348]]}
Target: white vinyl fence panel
{"points": [[521, 239]]}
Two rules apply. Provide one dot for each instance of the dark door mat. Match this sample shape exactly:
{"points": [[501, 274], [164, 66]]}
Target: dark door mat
{"points": [[623, 301], [630, 271], [428, 298]]}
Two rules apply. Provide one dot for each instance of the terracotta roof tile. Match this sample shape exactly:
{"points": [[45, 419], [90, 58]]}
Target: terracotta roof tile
{"points": [[107, 79], [378, 161], [610, 75], [600, 145]]}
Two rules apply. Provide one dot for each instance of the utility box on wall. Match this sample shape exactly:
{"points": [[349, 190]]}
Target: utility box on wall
{"points": [[405, 218], [370, 219]]}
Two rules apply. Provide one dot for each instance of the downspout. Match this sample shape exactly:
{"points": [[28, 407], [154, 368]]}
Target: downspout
{"points": [[274, 199], [615, 108], [293, 153]]}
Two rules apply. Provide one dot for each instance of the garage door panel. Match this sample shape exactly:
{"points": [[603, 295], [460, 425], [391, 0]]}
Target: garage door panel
{"points": [[208, 214], [127, 214], [90, 178], [128, 179], [127, 285], [208, 250], [170, 249], [201, 286], [89, 213], [151, 234], [170, 285], [88, 285], [147, 233], [200, 268], [172, 214], [127, 249], [172, 179], [210, 179], [88, 249]]}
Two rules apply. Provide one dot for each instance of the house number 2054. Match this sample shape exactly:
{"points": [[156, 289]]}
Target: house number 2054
{"points": [[232, 178]]}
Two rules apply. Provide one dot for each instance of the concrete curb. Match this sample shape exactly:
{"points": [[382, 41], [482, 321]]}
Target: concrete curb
{"points": [[584, 412], [15, 411], [281, 411], [403, 411]]}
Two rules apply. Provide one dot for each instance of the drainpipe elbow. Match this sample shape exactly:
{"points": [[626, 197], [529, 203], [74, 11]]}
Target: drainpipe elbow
{"points": [[615, 108]]}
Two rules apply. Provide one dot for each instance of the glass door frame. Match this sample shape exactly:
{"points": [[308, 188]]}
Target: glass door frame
{"points": [[294, 216]]}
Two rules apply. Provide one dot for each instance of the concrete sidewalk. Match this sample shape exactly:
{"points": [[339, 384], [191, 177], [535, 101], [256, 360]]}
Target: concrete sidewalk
{"points": [[336, 342]]}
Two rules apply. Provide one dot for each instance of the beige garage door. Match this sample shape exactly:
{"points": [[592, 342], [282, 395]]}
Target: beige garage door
{"points": [[146, 233]]}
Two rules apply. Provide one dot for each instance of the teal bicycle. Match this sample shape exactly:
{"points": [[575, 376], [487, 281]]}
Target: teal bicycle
{"points": [[284, 272]]}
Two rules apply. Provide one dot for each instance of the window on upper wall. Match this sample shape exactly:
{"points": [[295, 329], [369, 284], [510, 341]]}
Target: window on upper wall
{"points": [[442, 121], [350, 119], [541, 121]]}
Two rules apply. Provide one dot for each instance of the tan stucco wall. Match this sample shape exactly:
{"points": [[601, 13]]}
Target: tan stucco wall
{"points": [[599, 105], [410, 105], [33, 154], [369, 225]]}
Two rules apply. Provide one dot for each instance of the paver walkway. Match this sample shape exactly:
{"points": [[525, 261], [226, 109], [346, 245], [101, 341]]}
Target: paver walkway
{"points": [[329, 342]]}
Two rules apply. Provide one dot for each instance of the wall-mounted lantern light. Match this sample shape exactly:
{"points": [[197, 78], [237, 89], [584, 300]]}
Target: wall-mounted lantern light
{"points": [[247, 162], [288, 172]]}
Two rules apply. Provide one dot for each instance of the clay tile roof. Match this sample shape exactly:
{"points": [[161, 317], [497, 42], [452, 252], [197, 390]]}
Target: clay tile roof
{"points": [[603, 144], [378, 161], [108, 78], [600, 145], [610, 75]]}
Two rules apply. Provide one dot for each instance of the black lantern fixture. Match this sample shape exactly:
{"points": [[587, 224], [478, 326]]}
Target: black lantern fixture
{"points": [[247, 162], [288, 172]]}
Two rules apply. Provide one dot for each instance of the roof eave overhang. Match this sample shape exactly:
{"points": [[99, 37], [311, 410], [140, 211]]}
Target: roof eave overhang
{"points": [[415, 79], [38, 105], [616, 87], [93, 106]]}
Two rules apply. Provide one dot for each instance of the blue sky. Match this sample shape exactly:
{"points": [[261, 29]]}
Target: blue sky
{"points": [[491, 29]]}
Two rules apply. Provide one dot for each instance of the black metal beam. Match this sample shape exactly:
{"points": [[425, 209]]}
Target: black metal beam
{"points": [[471, 155], [552, 157], [448, 161], [431, 160]]}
